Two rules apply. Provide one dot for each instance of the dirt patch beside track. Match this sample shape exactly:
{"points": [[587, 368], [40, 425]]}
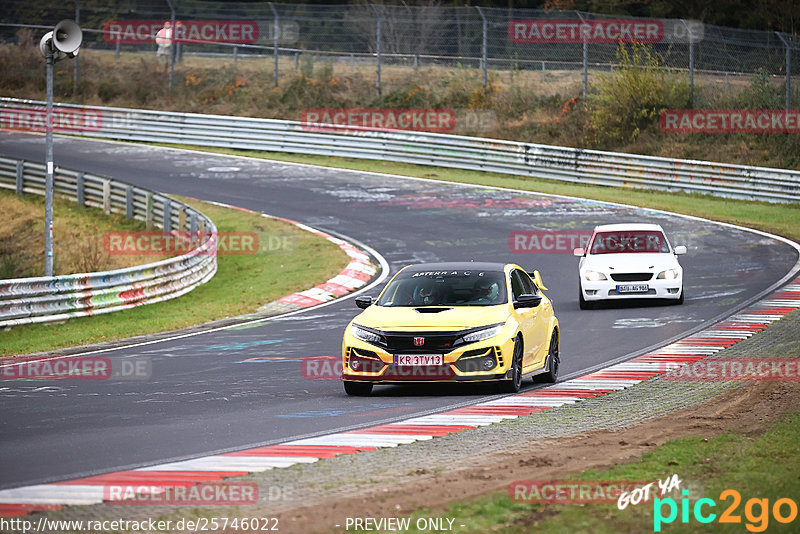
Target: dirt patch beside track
{"points": [[749, 410]]}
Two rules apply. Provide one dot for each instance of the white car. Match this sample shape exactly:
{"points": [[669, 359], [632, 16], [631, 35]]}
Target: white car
{"points": [[629, 261]]}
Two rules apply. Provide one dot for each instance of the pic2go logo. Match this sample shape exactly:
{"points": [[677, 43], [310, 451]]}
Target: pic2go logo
{"points": [[756, 511]]}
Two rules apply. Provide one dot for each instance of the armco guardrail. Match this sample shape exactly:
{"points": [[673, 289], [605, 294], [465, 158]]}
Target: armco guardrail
{"points": [[45, 299], [459, 152]]}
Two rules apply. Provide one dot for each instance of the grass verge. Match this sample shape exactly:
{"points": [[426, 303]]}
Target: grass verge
{"points": [[287, 259], [781, 219], [78, 237]]}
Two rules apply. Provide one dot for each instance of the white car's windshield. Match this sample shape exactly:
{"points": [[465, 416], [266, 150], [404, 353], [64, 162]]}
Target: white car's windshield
{"points": [[452, 288], [627, 242]]}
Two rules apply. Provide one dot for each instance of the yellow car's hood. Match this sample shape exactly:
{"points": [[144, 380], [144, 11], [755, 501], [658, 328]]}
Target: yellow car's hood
{"points": [[455, 318]]}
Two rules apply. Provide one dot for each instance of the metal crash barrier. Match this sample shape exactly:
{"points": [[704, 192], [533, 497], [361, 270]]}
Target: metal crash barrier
{"points": [[453, 151], [46, 299]]}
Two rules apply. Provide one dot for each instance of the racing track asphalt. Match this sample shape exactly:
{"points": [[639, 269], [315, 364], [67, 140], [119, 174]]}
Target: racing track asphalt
{"points": [[200, 399]]}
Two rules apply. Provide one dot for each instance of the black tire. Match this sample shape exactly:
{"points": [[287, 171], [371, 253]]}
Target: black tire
{"points": [[513, 384], [358, 389], [680, 299], [554, 359], [583, 303]]}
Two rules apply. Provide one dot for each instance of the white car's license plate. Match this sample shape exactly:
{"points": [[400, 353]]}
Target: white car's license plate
{"points": [[418, 359], [632, 288]]}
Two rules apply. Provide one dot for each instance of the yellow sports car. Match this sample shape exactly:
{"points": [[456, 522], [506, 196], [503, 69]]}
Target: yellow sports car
{"points": [[453, 322]]}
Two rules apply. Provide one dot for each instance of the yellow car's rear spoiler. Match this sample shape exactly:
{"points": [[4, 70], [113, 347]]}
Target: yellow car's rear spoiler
{"points": [[537, 278]]}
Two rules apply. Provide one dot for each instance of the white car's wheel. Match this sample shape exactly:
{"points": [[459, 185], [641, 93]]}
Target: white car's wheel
{"points": [[582, 302], [680, 299]]}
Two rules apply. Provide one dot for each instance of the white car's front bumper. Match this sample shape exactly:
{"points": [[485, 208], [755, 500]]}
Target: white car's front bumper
{"points": [[656, 289]]}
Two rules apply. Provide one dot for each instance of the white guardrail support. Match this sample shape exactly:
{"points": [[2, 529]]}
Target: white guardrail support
{"points": [[46, 299], [459, 152]]}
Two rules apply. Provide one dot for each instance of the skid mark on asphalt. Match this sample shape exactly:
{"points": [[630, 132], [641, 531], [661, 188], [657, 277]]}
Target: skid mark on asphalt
{"points": [[244, 345], [373, 408]]}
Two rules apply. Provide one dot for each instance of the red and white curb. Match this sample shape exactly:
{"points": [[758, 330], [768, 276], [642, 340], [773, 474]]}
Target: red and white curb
{"points": [[92, 490], [355, 275]]}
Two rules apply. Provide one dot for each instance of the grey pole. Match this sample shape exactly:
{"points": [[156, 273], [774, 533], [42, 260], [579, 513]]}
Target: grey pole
{"points": [[585, 57], [378, 48], [276, 31], [484, 58], [48, 180], [78, 57], [788, 70], [691, 62], [171, 45]]}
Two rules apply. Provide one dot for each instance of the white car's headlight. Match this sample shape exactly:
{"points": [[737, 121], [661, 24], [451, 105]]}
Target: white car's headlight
{"points": [[364, 334], [594, 276], [486, 333], [669, 274]]}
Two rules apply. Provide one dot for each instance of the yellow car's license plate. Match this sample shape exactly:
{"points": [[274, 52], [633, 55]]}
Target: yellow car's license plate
{"points": [[418, 359]]}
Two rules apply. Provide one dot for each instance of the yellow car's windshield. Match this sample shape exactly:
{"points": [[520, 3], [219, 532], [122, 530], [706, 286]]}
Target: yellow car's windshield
{"points": [[445, 288]]}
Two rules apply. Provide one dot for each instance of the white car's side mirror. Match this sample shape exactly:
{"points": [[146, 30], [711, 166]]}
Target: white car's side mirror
{"points": [[578, 252], [680, 249]]}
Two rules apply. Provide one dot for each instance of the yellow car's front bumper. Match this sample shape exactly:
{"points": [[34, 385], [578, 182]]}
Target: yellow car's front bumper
{"points": [[489, 359]]}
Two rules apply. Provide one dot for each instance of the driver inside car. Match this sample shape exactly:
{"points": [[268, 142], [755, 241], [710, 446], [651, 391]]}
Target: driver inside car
{"points": [[485, 291], [426, 294]]}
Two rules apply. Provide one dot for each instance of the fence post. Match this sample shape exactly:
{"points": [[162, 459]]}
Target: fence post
{"points": [[276, 31], [20, 170], [167, 222], [116, 50], [691, 62], [788, 70], [172, 47], [585, 55], [193, 228], [107, 197], [484, 52], [77, 57], [81, 191], [129, 202], [378, 31], [148, 210], [544, 72], [235, 54]]}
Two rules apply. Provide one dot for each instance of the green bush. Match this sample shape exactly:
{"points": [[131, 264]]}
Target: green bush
{"points": [[623, 103], [761, 93], [108, 91]]}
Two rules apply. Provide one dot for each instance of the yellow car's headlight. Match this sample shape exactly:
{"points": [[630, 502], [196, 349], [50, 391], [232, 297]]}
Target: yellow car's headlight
{"points": [[364, 335], [480, 335]]}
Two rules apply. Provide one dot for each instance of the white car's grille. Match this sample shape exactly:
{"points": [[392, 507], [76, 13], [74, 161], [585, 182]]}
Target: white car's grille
{"points": [[631, 277]]}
